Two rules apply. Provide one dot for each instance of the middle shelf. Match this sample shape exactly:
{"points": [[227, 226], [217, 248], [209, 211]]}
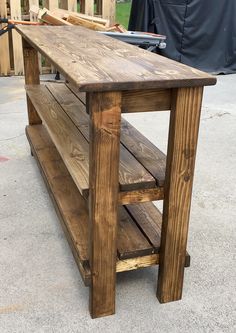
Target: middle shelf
{"points": [[139, 226], [142, 165]]}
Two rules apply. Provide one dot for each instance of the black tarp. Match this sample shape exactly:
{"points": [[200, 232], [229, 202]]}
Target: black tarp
{"points": [[200, 33]]}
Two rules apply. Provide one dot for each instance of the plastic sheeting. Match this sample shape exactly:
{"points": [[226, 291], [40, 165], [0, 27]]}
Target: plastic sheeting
{"points": [[199, 33]]}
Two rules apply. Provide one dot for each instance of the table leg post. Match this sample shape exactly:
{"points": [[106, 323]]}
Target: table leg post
{"points": [[105, 113], [182, 144], [31, 68]]}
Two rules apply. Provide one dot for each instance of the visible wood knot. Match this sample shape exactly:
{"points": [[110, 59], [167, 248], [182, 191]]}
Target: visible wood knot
{"points": [[188, 153], [95, 274], [77, 155], [187, 177]]}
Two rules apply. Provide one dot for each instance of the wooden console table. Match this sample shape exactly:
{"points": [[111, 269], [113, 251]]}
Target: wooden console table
{"points": [[102, 173]]}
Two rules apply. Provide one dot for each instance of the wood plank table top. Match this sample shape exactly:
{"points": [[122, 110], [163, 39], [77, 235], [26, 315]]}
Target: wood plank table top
{"points": [[94, 62]]}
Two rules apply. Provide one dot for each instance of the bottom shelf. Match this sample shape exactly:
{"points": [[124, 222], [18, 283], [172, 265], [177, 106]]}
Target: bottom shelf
{"points": [[139, 228]]}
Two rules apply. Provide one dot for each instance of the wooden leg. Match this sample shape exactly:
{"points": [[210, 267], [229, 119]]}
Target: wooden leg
{"points": [[105, 113], [183, 134], [31, 67]]}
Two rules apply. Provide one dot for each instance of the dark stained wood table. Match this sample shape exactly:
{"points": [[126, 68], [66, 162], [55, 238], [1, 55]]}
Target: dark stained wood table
{"points": [[102, 173]]}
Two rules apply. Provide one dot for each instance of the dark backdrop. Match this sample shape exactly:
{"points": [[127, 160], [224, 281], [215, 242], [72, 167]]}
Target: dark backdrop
{"points": [[200, 33]]}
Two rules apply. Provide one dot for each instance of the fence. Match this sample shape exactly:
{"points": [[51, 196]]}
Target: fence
{"points": [[11, 60]]}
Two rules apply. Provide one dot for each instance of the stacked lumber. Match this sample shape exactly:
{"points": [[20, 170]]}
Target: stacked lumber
{"points": [[66, 17]]}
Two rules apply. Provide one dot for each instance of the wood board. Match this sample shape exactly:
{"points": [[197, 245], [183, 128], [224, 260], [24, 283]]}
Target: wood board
{"points": [[129, 67], [62, 110], [132, 237]]}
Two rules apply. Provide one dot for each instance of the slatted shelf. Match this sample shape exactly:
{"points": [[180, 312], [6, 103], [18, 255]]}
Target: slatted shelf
{"points": [[139, 226], [64, 114]]}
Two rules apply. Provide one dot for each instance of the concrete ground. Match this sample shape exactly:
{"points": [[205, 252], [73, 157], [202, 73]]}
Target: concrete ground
{"points": [[40, 286]]}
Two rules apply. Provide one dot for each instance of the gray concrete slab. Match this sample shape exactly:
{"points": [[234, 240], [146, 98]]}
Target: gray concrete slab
{"points": [[40, 286]]}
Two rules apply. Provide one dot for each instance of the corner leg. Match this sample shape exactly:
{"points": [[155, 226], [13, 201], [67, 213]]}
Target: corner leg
{"points": [[31, 68], [105, 113], [182, 145]]}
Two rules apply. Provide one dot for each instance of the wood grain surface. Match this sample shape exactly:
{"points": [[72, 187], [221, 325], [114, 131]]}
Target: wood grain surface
{"points": [[69, 204], [141, 195], [182, 145], [4, 43], [72, 211], [144, 151], [93, 62], [146, 100], [70, 143], [149, 220], [142, 165], [15, 12], [31, 68], [130, 240], [132, 175], [104, 151]]}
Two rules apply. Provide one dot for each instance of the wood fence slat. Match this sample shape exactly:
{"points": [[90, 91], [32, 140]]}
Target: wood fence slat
{"points": [[15, 11], [70, 5], [4, 43], [88, 7], [109, 10], [32, 15], [63, 4], [50, 4]]}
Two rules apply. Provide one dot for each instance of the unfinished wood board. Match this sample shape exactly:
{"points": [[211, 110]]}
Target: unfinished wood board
{"points": [[48, 17], [75, 20], [34, 18], [141, 195], [33, 15], [4, 43], [70, 5], [129, 68], [62, 13], [109, 10], [131, 264], [50, 4], [136, 263], [63, 4], [15, 11], [87, 7]]}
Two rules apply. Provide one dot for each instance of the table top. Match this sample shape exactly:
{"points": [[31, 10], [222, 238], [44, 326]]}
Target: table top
{"points": [[94, 62]]}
